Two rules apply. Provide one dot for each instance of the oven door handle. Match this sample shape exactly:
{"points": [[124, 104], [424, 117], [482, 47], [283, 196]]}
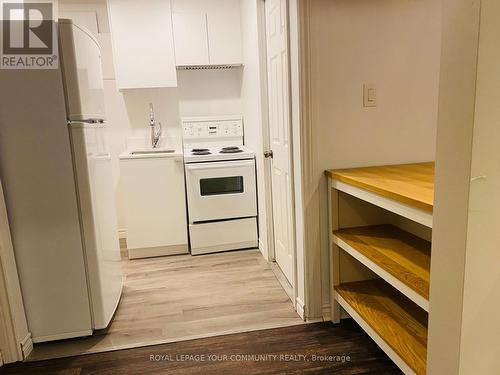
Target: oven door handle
{"points": [[219, 165]]}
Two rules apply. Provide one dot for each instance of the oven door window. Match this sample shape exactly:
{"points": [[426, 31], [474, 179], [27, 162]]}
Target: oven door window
{"points": [[221, 185]]}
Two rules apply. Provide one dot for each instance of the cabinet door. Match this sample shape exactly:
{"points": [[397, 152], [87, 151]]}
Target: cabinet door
{"points": [[224, 35], [155, 203], [190, 38], [143, 44]]}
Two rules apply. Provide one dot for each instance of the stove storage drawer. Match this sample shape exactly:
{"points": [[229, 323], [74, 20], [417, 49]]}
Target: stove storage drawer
{"points": [[221, 190], [223, 235]]}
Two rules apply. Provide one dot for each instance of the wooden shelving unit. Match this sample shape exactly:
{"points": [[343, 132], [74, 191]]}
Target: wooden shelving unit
{"points": [[400, 258], [393, 322], [393, 309], [407, 189]]}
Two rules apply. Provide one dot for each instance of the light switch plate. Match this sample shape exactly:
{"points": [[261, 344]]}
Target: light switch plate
{"points": [[369, 95]]}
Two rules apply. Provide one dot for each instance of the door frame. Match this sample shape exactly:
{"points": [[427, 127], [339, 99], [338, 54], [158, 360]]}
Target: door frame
{"points": [[293, 23], [310, 256], [308, 276], [8, 344], [15, 339]]}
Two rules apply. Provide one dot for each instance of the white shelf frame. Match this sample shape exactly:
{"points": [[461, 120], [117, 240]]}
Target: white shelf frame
{"points": [[333, 224], [407, 370], [402, 209], [337, 302], [401, 287]]}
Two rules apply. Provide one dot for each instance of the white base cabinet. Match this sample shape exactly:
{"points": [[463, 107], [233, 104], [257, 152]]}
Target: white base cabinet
{"points": [[155, 205]]}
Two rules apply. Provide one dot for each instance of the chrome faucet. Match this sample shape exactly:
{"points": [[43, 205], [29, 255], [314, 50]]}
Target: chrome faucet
{"points": [[155, 134]]}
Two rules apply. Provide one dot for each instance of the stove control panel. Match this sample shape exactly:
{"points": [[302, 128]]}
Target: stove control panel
{"points": [[227, 128]]}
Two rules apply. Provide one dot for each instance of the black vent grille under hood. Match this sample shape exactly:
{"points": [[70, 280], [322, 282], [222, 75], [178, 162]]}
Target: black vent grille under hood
{"points": [[208, 67]]}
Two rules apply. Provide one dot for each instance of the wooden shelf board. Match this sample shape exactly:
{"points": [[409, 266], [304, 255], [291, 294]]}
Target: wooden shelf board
{"points": [[399, 257], [394, 322], [411, 184]]}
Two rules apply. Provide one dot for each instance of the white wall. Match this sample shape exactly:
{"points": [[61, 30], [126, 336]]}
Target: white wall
{"points": [[253, 94], [199, 93], [480, 348], [465, 303], [210, 92], [394, 44], [465, 283], [453, 164]]}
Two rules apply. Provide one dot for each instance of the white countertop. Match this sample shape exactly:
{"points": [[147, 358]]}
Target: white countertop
{"points": [[150, 153]]}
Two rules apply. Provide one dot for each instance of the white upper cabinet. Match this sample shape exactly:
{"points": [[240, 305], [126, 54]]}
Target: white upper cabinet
{"points": [[143, 45], [207, 32], [224, 34], [190, 38]]}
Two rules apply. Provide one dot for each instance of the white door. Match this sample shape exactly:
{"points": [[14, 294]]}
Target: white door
{"points": [[279, 132]]}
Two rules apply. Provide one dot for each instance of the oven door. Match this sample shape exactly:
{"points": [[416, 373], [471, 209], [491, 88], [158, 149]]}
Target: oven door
{"points": [[221, 190]]}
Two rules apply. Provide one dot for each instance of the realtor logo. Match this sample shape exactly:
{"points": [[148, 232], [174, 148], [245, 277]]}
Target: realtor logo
{"points": [[28, 36]]}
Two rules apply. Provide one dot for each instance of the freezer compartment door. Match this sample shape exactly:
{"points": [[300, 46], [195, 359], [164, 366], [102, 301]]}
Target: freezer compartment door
{"points": [[82, 72], [98, 218]]}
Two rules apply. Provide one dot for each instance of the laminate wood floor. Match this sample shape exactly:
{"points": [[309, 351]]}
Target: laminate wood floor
{"points": [[278, 349], [168, 299]]}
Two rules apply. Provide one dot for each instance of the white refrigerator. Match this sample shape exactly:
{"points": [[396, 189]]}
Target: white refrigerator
{"points": [[57, 173]]}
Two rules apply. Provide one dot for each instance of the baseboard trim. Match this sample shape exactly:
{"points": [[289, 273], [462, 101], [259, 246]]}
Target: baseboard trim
{"points": [[280, 276], [122, 233], [62, 336], [300, 308], [151, 252], [122, 239], [344, 314], [327, 312], [263, 250], [27, 346]]}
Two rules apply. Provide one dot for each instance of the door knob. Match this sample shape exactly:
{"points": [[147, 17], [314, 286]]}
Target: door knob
{"points": [[268, 154]]}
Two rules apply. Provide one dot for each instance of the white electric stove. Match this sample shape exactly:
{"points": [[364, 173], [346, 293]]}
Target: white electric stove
{"points": [[220, 185]]}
